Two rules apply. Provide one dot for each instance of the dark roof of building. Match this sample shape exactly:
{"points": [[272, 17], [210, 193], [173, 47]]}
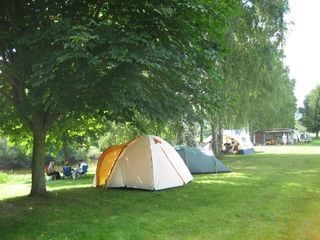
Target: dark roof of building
{"points": [[279, 130]]}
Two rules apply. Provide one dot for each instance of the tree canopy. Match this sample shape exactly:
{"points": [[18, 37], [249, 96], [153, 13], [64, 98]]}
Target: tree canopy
{"points": [[63, 62], [311, 111], [111, 58]]}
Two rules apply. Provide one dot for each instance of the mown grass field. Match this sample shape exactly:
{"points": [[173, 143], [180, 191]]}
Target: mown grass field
{"points": [[273, 194]]}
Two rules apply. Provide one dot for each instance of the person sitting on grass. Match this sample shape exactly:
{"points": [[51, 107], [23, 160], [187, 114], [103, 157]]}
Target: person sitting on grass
{"points": [[235, 147], [68, 171], [52, 172], [83, 168]]}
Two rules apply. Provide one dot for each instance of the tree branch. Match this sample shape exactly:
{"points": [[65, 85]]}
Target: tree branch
{"points": [[51, 119], [18, 97], [98, 8], [15, 82], [24, 118]]}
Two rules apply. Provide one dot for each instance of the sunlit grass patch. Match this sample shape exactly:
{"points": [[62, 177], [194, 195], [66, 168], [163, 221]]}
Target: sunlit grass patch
{"points": [[19, 184], [289, 149], [232, 178], [14, 190], [14, 183], [3, 177]]}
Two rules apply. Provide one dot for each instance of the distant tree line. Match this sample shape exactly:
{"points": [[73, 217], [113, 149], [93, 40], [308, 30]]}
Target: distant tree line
{"points": [[310, 112]]}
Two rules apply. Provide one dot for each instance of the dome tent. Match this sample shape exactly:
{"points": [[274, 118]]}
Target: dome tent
{"points": [[199, 161], [147, 162]]}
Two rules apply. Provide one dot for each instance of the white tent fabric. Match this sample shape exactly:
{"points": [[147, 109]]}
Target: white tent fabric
{"points": [[149, 162], [240, 135]]}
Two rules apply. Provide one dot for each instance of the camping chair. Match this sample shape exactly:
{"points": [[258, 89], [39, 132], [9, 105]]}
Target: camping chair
{"points": [[67, 171], [82, 171]]}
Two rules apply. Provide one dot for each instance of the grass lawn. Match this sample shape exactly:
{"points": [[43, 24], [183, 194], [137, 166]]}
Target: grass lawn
{"points": [[273, 194]]}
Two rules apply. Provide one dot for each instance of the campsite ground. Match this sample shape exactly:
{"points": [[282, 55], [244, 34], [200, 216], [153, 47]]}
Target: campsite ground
{"points": [[273, 194]]}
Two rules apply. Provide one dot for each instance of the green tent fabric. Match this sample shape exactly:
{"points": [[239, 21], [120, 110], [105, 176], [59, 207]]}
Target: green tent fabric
{"points": [[199, 161]]}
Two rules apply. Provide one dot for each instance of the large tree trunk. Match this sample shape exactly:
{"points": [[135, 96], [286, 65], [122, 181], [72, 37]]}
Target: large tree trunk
{"points": [[220, 137], [65, 149], [179, 132], [217, 135], [214, 138], [201, 132], [190, 135], [38, 186], [40, 123]]}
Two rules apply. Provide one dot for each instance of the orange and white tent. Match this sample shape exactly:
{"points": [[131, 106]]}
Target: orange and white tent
{"points": [[147, 162]]}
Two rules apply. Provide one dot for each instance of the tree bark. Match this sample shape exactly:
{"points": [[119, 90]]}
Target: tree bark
{"points": [[214, 138], [38, 186], [217, 135], [65, 149], [189, 132], [179, 132], [220, 137], [201, 132]]}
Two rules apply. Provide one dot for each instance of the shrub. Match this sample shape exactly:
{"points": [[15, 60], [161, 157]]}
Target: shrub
{"points": [[3, 177], [12, 157]]}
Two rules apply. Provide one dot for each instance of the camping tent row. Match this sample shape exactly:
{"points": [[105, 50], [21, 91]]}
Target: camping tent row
{"points": [[149, 162], [239, 136]]}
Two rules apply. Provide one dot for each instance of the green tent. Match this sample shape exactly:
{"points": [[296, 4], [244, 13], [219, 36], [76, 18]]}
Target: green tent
{"points": [[199, 161]]}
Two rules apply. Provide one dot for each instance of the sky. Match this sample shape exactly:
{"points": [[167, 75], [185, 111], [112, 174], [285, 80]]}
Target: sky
{"points": [[302, 47]]}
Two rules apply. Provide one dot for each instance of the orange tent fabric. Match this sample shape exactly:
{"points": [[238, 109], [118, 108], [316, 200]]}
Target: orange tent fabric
{"points": [[106, 163]]}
